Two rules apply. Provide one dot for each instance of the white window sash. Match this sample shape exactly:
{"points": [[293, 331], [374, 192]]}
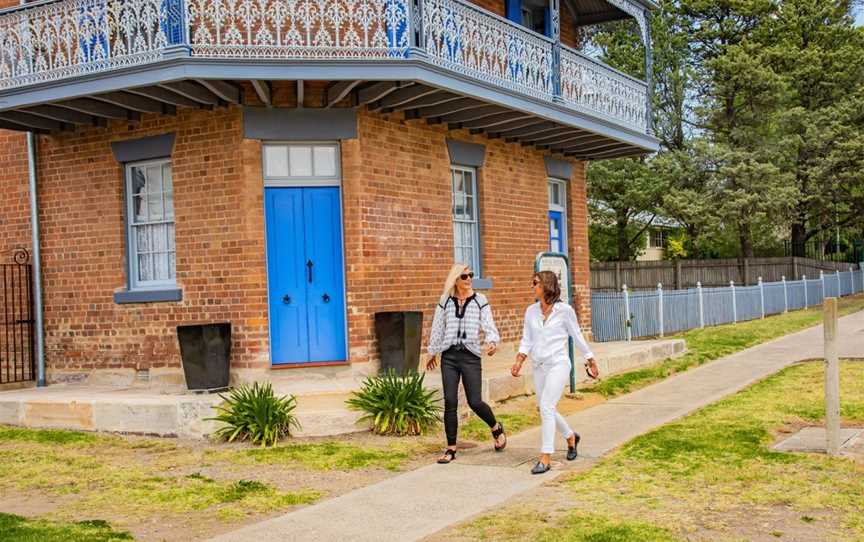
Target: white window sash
{"points": [[473, 223], [132, 254]]}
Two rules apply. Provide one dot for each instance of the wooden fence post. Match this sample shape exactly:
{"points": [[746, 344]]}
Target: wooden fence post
{"points": [[617, 274], [832, 378], [678, 274]]}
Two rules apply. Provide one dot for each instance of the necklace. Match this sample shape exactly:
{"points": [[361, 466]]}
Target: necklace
{"points": [[546, 312]]}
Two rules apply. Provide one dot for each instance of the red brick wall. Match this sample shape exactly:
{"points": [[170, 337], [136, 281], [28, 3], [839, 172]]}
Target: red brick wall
{"points": [[398, 233], [14, 202], [398, 225], [219, 239]]}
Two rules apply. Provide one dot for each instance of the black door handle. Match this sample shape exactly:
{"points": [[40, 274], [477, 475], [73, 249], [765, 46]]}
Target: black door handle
{"points": [[309, 265], [286, 299], [325, 298]]}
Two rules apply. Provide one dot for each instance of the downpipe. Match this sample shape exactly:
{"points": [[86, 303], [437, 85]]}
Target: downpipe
{"points": [[37, 261]]}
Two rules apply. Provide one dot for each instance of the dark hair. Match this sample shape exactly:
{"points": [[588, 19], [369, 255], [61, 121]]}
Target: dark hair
{"points": [[551, 289]]}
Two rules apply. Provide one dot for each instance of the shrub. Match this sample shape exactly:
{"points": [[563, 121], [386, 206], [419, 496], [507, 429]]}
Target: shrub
{"points": [[256, 414], [397, 405]]}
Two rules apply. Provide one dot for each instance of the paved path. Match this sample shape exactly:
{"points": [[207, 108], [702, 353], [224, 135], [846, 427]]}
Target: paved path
{"points": [[421, 502]]}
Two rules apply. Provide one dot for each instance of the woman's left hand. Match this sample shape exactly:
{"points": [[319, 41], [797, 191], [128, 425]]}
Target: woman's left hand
{"points": [[591, 368], [490, 349]]}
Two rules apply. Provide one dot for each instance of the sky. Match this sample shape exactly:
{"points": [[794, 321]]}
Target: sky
{"points": [[859, 17]]}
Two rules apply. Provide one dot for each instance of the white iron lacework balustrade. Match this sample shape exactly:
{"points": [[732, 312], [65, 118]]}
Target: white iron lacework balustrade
{"points": [[472, 41], [72, 38], [598, 88], [337, 29]]}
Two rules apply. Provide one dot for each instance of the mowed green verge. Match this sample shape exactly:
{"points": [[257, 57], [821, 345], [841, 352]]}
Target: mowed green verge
{"points": [[712, 475]]}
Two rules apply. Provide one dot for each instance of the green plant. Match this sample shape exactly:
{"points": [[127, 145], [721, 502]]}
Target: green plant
{"points": [[397, 405], [256, 414]]}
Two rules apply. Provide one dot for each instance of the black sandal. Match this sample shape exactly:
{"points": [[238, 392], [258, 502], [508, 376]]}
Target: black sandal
{"points": [[449, 454], [497, 433]]}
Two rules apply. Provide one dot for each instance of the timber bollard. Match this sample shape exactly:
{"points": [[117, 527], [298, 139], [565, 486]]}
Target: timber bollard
{"points": [[832, 378]]}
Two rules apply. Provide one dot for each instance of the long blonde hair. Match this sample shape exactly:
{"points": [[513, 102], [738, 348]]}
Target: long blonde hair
{"points": [[452, 277]]}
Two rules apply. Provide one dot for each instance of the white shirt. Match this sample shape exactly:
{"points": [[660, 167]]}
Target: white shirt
{"points": [[546, 342]]}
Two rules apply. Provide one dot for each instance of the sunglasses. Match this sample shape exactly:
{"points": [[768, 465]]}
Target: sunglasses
{"points": [[535, 282], [466, 276]]}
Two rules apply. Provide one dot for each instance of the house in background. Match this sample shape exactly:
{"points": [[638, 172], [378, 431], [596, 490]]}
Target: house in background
{"points": [[657, 237], [295, 167]]}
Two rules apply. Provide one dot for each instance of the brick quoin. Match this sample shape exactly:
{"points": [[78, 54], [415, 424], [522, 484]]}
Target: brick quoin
{"points": [[397, 222]]}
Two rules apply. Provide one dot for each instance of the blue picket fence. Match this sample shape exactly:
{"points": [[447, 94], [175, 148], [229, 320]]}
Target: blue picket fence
{"points": [[625, 315]]}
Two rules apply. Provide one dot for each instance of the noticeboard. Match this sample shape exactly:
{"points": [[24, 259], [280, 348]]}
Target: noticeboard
{"points": [[559, 264]]}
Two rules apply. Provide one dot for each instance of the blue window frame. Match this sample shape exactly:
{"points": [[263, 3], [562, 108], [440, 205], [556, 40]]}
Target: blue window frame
{"points": [[557, 216]]}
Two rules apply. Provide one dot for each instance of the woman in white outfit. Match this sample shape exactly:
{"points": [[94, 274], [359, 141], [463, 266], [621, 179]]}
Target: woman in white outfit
{"points": [[548, 324]]}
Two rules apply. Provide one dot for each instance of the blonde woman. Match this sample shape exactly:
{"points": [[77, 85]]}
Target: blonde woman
{"points": [[460, 317], [548, 324]]}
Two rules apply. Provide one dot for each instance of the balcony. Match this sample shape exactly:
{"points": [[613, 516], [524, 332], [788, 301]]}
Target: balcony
{"points": [[59, 51]]}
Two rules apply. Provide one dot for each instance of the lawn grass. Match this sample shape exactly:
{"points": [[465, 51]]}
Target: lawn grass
{"points": [[702, 476], [330, 455], [130, 480], [477, 430], [710, 343], [19, 529]]}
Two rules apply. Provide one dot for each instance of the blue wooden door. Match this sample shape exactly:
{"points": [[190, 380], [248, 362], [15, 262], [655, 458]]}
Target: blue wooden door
{"points": [[326, 298], [556, 231], [305, 275]]}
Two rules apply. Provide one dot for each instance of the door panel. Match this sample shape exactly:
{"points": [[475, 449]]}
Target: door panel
{"points": [[286, 274], [556, 232], [326, 295]]}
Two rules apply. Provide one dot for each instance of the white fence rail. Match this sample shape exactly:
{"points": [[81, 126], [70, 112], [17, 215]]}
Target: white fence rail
{"points": [[619, 316]]}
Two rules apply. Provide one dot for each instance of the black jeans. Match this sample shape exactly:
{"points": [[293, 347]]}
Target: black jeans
{"points": [[459, 363]]}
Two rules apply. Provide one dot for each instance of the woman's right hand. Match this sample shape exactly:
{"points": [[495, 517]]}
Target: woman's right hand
{"points": [[516, 368], [431, 363]]}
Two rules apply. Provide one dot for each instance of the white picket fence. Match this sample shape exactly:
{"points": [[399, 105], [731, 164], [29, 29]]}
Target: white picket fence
{"points": [[626, 315]]}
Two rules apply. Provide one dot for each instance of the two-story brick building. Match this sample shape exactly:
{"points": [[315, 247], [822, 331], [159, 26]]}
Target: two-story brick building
{"points": [[294, 166]]}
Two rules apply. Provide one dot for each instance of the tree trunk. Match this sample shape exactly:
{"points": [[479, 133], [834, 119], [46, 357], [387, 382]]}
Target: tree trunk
{"points": [[799, 239], [623, 240]]}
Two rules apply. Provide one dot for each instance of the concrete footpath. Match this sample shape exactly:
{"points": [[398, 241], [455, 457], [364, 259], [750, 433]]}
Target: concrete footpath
{"points": [[421, 502]]}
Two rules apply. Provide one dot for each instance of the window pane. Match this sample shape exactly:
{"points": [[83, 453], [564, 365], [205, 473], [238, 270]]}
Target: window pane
{"points": [[145, 267], [275, 161], [171, 237], [555, 245], [469, 182], [160, 266], [158, 237], [168, 201], [138, 180], [167, 179], [325, 161], [142, 239], [139, 210], [300, 160], [154, 205], [154, 179], [172, 271]]}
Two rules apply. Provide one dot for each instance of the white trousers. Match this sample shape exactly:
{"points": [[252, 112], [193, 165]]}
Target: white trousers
{"points": [[549, 382]]}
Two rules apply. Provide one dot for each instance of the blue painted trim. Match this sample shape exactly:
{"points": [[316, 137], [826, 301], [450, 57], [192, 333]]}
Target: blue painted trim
{"points": [[389, 70], [148, 296], [481, 284], [145, 148], [513, 10], [559, 169], [463, 153], [299, 124]]}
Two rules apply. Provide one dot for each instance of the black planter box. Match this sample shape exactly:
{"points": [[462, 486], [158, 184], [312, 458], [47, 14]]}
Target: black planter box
{"points": [[399, 336], [206, 353]]}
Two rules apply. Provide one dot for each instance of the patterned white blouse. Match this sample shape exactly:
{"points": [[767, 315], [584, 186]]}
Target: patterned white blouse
{"points": [[453, 325]]}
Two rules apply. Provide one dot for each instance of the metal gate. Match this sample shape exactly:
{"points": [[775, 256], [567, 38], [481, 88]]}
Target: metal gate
{"points": [[17, 350]]}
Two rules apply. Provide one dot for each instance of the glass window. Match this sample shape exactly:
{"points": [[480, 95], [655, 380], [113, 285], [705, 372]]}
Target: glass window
{"points": [[466, 229], [307, 162], [557, 216], [657, 238], [150, 193]]}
